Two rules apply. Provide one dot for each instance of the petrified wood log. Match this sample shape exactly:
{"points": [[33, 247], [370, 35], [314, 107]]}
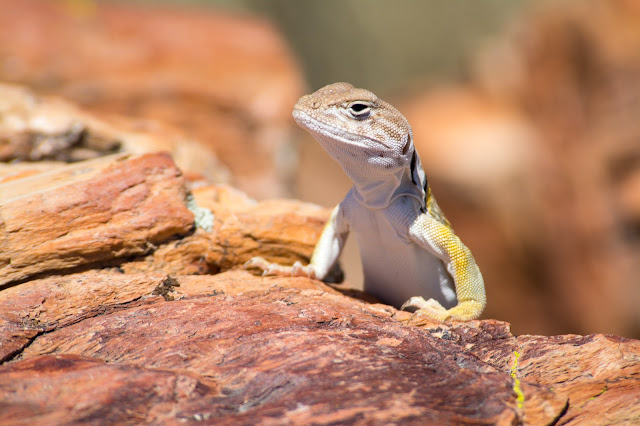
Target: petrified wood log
{"points": [[138, 336], [89, 212], [106, 346]]}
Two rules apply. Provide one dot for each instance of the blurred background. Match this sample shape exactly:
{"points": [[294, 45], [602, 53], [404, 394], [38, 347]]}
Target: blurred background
{"points": [[526, 116]]}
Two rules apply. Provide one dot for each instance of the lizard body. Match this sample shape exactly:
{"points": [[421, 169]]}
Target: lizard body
{"points": [[407, 246]]}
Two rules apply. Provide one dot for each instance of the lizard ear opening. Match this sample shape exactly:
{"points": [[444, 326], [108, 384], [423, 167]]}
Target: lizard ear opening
{"points": [[407, 145], [415, 178]]}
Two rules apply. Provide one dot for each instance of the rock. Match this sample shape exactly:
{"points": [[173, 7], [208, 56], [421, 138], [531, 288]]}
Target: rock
{"points": [[127, 211], [140, 394], [238, 348], [283, 231], [584, 368], [268, 351], [96, 211], [578, 369], [9, 172], [112, 312], [43, 305], [228, 81], [38, 129]]}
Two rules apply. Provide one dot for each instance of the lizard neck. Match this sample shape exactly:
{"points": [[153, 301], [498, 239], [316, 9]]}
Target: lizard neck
{"points": [[376, 189], [375, 185]]}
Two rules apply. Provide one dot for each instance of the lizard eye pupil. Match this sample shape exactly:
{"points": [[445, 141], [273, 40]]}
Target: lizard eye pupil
{"points": [[359, 110]]}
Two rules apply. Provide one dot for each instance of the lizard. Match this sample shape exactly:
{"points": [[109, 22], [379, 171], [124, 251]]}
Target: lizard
{"points": [[408, 248]]}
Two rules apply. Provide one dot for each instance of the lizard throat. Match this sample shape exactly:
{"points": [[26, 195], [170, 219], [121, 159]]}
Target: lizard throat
{"points": [[377, 178], [377, 192], [374, 185]]}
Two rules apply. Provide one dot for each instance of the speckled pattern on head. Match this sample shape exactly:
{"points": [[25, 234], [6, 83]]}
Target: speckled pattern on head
{"points": [[369, 138], [385, 123]]}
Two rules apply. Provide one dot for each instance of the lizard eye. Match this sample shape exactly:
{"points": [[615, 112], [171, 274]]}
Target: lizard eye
{"points": [[359, 110]]}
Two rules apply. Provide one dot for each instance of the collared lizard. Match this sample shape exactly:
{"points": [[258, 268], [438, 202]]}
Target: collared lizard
{"points": [[407, 246]]}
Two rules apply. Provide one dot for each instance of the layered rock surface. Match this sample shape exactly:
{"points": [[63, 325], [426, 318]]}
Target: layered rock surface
{"points": [[124, 321]]}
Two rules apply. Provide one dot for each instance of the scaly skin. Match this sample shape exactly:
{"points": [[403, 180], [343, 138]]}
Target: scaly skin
{"points": [[407, 245]]}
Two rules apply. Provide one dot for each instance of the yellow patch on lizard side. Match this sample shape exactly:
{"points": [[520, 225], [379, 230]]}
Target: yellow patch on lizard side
{"points": [[434, 209]]}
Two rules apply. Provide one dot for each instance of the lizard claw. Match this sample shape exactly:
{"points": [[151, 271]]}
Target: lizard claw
{"points": [[432, 311], [428, 311], [261, 264], [257, 263], [254, 262], [270, 268], [300, 270], [420, 303]]}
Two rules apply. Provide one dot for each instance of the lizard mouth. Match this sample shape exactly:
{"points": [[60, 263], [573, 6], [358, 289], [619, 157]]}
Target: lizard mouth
{"points": [[324, 130]]}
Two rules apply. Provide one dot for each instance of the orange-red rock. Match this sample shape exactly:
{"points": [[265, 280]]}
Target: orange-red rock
{"points": [[37, 129], [283, 231], [234, 347], [137, 336], [96, 211]]}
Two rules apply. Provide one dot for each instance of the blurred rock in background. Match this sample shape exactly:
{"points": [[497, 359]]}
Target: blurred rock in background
{"points": [[537, 161], [228, 81], [38, 133]]}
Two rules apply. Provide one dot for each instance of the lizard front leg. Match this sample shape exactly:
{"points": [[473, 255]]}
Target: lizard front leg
{"points": [[325, 254], [439, 239]]}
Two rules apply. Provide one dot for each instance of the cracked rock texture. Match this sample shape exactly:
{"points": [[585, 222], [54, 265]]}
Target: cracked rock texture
{"points": [[89, 212], [136, 315]]}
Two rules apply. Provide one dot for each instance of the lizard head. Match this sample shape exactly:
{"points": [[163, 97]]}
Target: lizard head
{"points": [[368, 137], [352, 122]]}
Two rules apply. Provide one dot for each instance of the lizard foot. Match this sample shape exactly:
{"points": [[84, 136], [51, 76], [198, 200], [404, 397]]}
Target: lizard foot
{"points": [[428, 311], [432, 311], [270, 268]]}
